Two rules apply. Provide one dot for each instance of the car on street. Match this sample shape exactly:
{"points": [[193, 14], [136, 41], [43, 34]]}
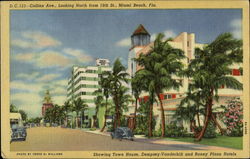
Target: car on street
{"points": [[122, 133], [18, 133]]}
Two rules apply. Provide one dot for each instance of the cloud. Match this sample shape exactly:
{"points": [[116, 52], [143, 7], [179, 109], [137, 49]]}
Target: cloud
{"points": [[48, 77], [35, 39], [52, 59], [29, 102], [22, 44], [24, 56], [236, 26], [30, 95], [30, 76], [49, 58], [78, 55], [167, 33], [23, 86], [126, 42]]}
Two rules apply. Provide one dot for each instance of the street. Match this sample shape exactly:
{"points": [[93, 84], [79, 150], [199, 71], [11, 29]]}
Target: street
{"points": [[62, 139]]}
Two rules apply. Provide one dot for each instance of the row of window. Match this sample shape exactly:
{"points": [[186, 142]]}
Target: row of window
{"points": [[85, 86], [162, 97], [87, 71]]}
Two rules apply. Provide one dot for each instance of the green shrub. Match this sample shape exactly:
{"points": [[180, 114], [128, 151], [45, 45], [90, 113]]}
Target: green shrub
{"points": [[157, 133], [210, 131], [92, 129], [172, 130]]}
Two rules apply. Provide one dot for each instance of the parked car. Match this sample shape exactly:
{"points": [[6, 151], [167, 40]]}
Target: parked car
{"points": [[122, 133], [18, 132]]}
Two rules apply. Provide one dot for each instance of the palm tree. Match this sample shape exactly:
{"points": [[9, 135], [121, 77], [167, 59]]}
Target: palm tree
{"points": [[79, 105], [159, 66], [211, 69], [13, 108], [189, 107], [61, 114], [98, 103], [117, 76], [105, 85], [137, 84], [124, 99], [67, 107]]}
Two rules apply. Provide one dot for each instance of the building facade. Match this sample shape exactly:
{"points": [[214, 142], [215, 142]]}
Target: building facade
{"points": [[140, 44], [84, 82]]}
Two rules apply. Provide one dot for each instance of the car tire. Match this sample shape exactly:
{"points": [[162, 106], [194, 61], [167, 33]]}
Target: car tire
{"points": [[132, 139]]}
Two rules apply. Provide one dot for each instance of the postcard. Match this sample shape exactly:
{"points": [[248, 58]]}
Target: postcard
{"points": [[125, 79]]}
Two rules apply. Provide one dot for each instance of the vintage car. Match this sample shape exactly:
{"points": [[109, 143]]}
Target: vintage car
{"points": [[18, 133], [122, 133]]}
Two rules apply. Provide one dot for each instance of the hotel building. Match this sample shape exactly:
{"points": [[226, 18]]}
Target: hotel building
{"points": [[140, 44], [84, 82]]}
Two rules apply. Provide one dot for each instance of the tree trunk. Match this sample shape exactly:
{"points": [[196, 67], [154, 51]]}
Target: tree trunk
{"points": [[198, 117], [162, 117], [218, 125], [208, 116], [105, 116], [82, 117], [116, 113], [134, 126], [150, 120], [76, 120]]}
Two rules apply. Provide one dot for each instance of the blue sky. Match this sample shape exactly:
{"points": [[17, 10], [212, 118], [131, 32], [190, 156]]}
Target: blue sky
{"points": [[45, 44]]}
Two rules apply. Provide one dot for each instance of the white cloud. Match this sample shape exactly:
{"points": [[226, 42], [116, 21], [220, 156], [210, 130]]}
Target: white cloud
{"points": [[22, 43], [167, 33], [48, 77], [62, 83], [236, 26], [78, 55], [51, 58], [29, 87], [35, 39], [124, 42], [29, 102], [24, 56], [30, 95], [30, 76]]}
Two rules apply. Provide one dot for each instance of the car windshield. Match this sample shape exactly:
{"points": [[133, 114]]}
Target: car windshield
{"points": [[14, 126], [126, 130]]}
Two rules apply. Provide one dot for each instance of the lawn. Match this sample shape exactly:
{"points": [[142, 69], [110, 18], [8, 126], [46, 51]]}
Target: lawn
{"points": [[222, 141]]}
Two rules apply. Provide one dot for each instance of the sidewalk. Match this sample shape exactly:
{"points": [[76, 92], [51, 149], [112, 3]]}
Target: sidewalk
{"points": [[142, 138]]}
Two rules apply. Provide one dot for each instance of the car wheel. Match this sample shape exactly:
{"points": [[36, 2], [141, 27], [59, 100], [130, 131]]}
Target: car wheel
{"points": [[132, 139]]}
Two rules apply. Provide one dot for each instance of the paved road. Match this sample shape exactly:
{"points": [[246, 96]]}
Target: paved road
{"points": [[60, 139]]}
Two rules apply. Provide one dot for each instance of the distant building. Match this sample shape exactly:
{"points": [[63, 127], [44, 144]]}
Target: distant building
{"points": [[84, 82], [47, 103], [140, 44]]}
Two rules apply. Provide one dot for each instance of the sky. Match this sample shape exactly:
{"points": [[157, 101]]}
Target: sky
{"points": [[45, 44]]}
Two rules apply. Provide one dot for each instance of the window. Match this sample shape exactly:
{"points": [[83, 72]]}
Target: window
{"points": [[167, 96], [236, 72]]}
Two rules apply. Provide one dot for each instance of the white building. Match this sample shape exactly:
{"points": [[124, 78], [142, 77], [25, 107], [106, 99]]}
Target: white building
{"points": [[84, 82], [140, 44]]}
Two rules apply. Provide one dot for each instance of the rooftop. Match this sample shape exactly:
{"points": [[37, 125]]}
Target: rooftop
{"points": [[140, 30]]}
